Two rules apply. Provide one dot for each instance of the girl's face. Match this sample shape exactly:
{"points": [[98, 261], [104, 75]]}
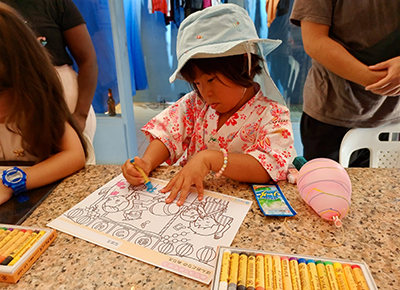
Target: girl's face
{"points": [[222, 94], [5, 99]]}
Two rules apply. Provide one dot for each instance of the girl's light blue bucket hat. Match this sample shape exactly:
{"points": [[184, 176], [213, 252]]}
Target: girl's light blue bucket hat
{"points": [[223, 30]]}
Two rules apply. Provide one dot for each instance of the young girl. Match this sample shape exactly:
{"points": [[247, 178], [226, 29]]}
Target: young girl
{"points": [[35, 123], [226, 124]]}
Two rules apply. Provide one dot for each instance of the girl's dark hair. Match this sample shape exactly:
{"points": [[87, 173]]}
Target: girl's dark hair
{"points": [[234, 67], [38, 111]]}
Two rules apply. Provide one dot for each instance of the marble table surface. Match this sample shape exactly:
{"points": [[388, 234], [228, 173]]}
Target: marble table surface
{"points": [[371, 233]]}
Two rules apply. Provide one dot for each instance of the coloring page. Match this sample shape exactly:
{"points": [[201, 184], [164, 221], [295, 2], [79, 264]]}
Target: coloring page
{"points": [[138, 223]]}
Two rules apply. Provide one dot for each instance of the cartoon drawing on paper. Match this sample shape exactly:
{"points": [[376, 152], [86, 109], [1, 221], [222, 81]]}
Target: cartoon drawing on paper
{"points": [[131, 213]]}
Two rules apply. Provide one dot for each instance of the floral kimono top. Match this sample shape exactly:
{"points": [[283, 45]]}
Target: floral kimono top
{"points": [[261, 128]]}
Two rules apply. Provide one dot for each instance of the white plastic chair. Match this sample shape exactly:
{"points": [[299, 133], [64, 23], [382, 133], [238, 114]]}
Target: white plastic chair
{"points": [[383, 154]]}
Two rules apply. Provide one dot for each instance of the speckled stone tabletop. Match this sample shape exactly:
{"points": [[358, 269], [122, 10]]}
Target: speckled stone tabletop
{"points": [[371, 233]]}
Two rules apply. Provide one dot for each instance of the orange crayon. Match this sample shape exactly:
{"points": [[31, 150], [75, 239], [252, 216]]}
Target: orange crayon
{"points": [[351, 280], [359, 276]]}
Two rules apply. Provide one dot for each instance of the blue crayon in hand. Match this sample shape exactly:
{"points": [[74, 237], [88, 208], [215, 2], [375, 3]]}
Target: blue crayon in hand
{"points": [[147, 182]]}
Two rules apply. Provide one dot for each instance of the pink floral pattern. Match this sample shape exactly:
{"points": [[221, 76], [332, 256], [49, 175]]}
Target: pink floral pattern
{"points": [[261, 128]]}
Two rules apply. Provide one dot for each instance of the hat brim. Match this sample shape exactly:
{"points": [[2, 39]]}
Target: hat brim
{"points": [[264, 47]]}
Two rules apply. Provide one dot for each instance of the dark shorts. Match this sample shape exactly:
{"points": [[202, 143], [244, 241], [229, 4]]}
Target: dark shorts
{"points": [[322, 140]]}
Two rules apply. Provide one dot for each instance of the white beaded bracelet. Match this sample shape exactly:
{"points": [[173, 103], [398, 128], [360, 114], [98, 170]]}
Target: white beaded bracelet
{"points": [[219, 173]]}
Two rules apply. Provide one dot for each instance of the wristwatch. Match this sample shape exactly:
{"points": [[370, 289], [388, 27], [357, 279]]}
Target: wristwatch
{"points": [[15, 178]]}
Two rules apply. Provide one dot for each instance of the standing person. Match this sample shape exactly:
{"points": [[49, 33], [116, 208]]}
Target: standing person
{"points": [[354, 80], [59, 25], [227, 124], [35, 123]]}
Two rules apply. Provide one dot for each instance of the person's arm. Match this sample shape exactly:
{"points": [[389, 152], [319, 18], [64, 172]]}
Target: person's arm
{"points": [[240, 167], [81, 47], [389, 85], [332, 55], [70, 159], [155, 154]]}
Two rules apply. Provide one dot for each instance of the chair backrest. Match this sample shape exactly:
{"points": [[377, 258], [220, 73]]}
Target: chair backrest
{"points": [[384, 152]]}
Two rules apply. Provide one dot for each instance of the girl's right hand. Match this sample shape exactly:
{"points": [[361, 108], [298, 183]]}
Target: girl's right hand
{"points": [[132, 175]]}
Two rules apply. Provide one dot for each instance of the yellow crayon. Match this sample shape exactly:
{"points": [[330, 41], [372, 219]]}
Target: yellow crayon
{"points": [[330, 271], [23, 235], [340, 276], [351, 281], [223, 279], [2, 230], [11, 242], [31, 235], [312, 271], [322, 275], [268, 271], [233, 271], [251, 273], [26, 248], [304, 276], [277, 270], [359, 276], [7, 238], [260, 283], [287, 280], [242, 275], [3, 235], [294, 273]]}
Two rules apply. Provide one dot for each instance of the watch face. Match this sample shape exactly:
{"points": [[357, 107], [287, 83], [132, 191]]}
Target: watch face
{"points": [[14, 176]]}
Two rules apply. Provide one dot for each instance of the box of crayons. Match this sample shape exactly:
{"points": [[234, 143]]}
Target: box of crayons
{"points": [[20, 247], [245, 269]]}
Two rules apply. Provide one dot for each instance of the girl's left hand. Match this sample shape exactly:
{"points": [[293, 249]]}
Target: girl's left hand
{"points": [[192, 173], [389, 85]]}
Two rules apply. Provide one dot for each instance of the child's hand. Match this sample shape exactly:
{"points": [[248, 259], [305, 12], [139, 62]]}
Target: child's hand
{"points": [[5, 193], [132, 175], [192, 174]]}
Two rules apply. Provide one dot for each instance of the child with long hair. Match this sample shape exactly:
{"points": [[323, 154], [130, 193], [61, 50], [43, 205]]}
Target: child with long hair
{"points": [[229, 124], [35, 123]]}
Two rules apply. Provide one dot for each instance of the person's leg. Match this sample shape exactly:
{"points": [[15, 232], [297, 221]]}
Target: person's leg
{"points": [[320, 139]]}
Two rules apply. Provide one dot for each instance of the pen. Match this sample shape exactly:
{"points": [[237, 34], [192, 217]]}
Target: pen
{"points": [[146, 179]]}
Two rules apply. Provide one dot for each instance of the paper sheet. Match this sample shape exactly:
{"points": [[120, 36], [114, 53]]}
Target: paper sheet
{"points": [[139, 224]]}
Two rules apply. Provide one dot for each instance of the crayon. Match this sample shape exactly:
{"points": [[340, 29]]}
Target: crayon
{"points": [[260, 284], [268, 272], [322, 275], [359, 277], [312, 271], [340, 276], [4, 234], [2, 230], [29, 236], [351, 281], [304, 276], [277, 270], [251, 272], [242, 275], [23, 235], [27, 248], [331, 276], [233, 271], [147, 182], [287, 280], [8, 237], [223, 280], [15, 235], [294, 273]]}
